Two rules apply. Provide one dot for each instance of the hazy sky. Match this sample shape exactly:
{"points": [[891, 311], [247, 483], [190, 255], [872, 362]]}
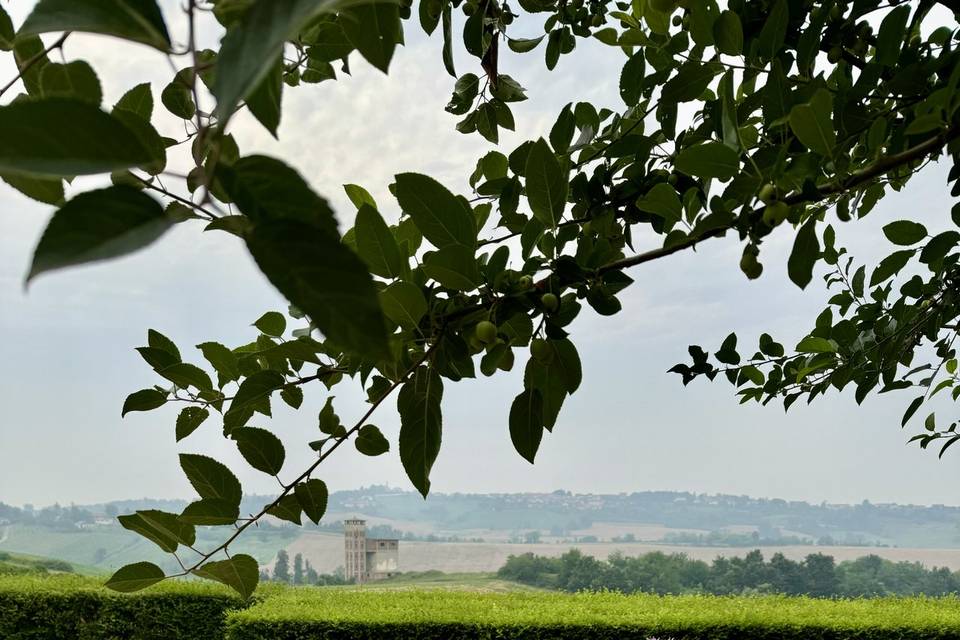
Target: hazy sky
{"points": [[67, 348]]}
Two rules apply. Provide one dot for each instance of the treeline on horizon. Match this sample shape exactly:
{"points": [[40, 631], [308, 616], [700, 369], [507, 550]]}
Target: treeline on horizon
{"points": [[817, 575]]}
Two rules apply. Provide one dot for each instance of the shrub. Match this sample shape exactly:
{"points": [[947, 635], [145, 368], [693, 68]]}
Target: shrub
{"points": [[408, 615], [66, 607]]}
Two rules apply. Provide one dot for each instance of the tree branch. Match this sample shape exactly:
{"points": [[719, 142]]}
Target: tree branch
{"points": [[28, 64], [306, 474]]}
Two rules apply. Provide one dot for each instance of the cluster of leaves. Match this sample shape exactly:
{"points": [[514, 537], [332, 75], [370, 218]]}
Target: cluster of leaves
{"points": [[799, 110]]}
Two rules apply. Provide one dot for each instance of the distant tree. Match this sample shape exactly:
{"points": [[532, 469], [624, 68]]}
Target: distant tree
{"points": [[531, 537], [281, 569], [310, 576], [820, 575], [298, 569], [99, 555]]}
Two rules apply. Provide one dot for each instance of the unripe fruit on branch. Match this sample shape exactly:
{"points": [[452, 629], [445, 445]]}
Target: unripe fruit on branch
{"points": [[749, 265], [550, 302], [768, 193], [775, 213], [541, 351], [486, 332], [525, 282]]}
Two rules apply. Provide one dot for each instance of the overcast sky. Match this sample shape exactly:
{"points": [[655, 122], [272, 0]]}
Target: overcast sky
{"points": [[68, 360]]}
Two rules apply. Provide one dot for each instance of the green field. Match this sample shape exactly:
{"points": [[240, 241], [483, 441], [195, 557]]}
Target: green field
{"points": [[437, 580], [103, 549]]}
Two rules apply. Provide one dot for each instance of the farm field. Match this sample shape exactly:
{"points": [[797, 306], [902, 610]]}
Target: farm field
{"points": [[325, 553]]}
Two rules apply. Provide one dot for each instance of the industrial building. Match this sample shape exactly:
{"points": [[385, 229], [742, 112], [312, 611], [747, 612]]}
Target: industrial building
{"points": [[368, 558]]}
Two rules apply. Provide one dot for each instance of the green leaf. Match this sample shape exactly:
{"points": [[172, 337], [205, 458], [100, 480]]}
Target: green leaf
{"points": [[905, 232], [211, 512], [260, 448], [252, 45], [143, 400], [240, 572], [442, 218], [690, 82], [890, 266], [253, 395], [526, 423], [403, 303], [631, 79], [329, 421], [805, 253], [138, 100], [453, 266], [184, 375], [325, 280], [813, 344], [370, 441], [728, 33], [547, 184], [223, 361], [447, 52], [292, 395], [421, 426], [189, 420], [375, 31], [938, 247], [178, 100], [376, 244], [264, 102], [136, 20], [46, 190], [523, 45], [30, 55], [99, 225], [157, 340], [272, 323], [774, 30], [134, 577], [210, 478], [267, 189], [66, 137], [709, 160], [164, 529], [312, 496], [812, 123], [890, 37], [359, 196], [76, 80], [662, 200], [6, 31], [288, 509]]}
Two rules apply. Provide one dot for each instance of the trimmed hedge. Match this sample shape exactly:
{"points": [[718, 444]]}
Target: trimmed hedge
{"points": [[67, 607], [71, 607], [303, 614]]}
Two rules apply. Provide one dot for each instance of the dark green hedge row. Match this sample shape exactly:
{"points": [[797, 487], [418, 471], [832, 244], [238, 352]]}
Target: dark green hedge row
{"points": [[73, 608], [288, 630]]}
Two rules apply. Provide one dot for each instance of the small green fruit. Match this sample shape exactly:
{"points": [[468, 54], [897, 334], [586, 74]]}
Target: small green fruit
{"points": [[550, 302], [486, 332], [775, 213], [525, 282], [834, 55], [749, 265], [540, 351], [768, 193], [677, 20]]}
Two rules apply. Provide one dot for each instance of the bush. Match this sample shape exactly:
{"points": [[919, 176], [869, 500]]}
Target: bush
{"points": [[68, 607], [332, 615]]}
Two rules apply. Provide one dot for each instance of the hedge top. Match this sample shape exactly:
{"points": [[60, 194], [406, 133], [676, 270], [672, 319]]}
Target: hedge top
{"points": [[71, 584], [324, 607]]}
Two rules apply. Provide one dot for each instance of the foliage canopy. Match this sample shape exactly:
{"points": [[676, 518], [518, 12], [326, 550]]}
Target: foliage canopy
{"points": [[801, 111]]}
